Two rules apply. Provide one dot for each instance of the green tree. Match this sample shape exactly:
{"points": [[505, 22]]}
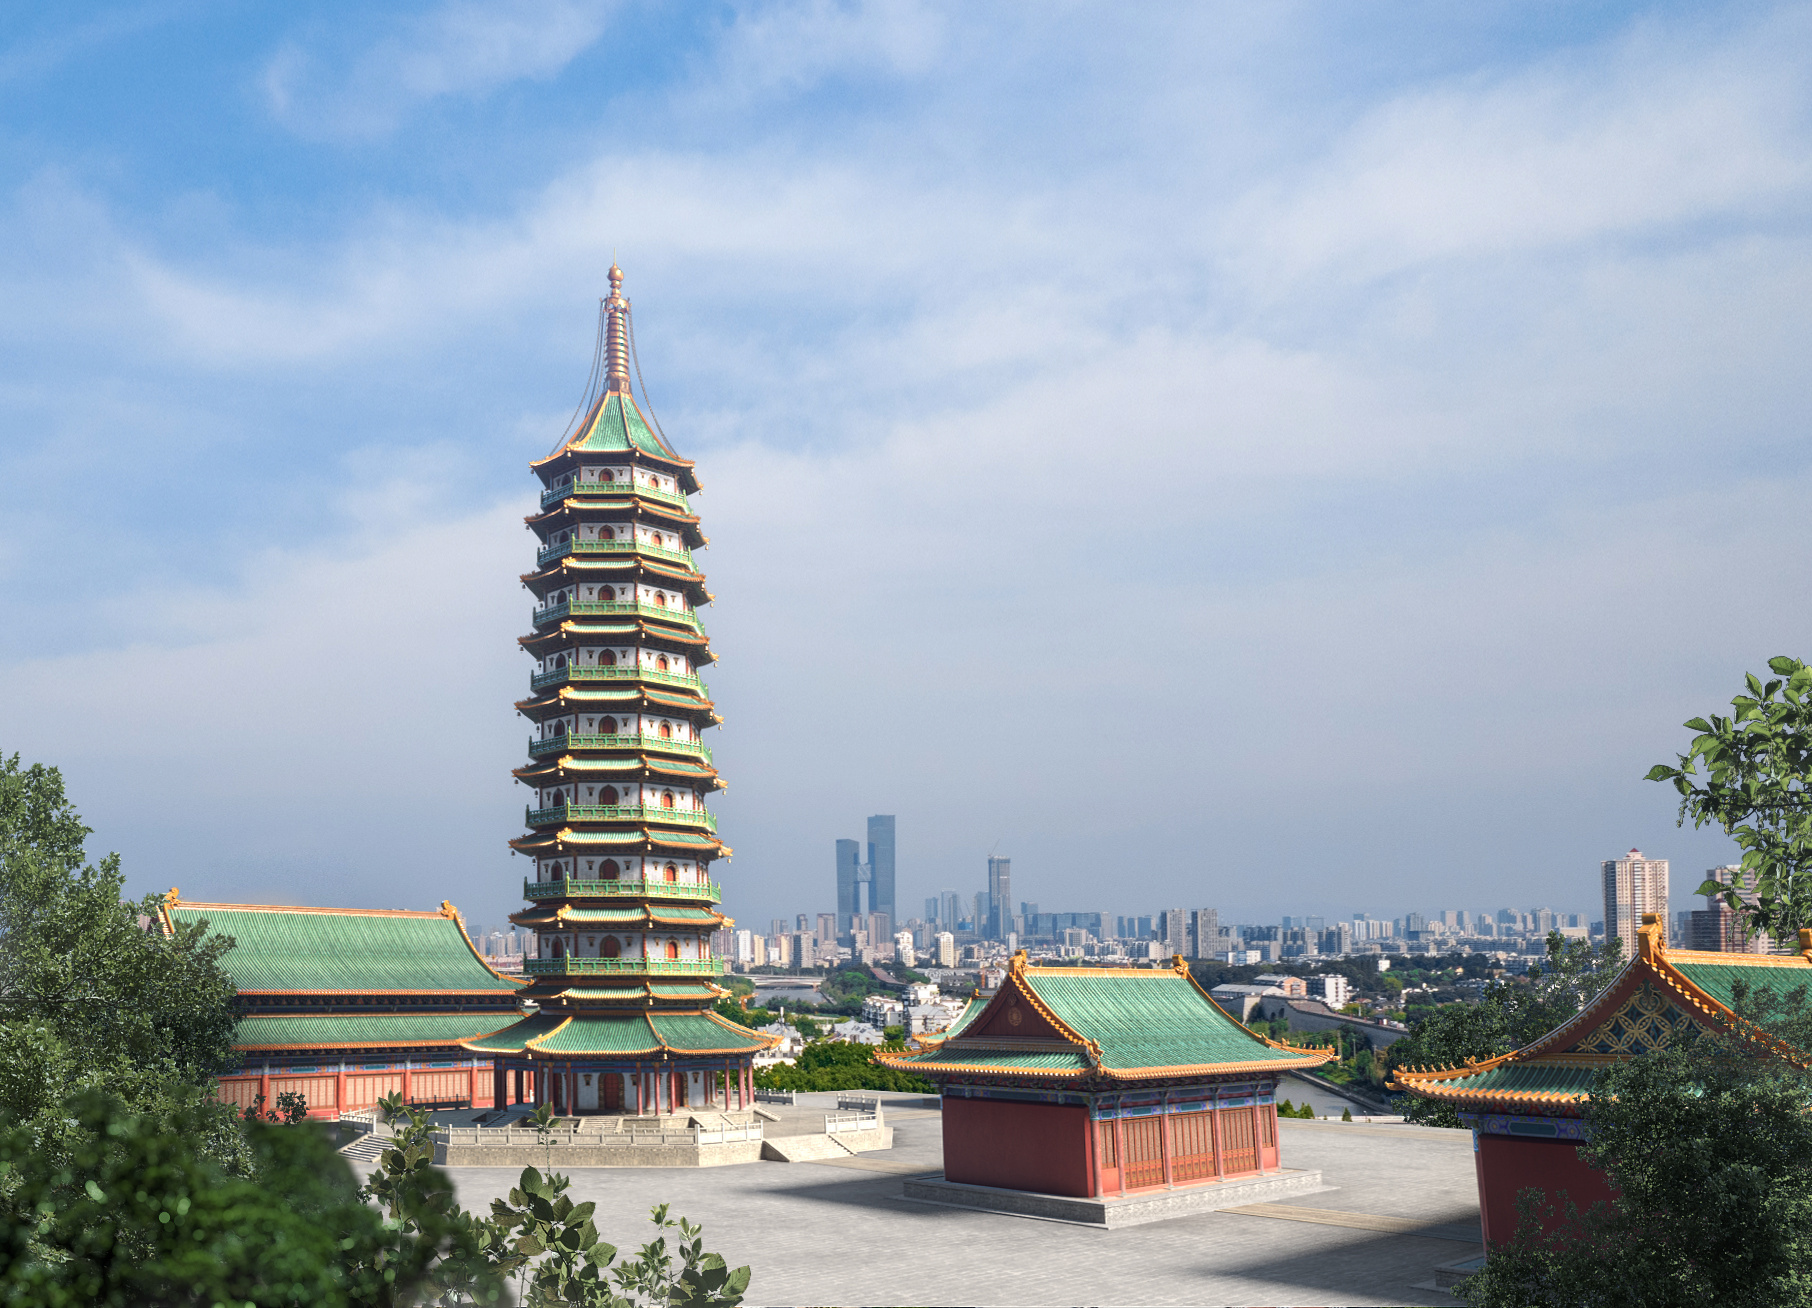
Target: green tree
{"points": [[839, 1065], [88, 996], [1755, 787], [1505, 1018], [1709, 1147]]}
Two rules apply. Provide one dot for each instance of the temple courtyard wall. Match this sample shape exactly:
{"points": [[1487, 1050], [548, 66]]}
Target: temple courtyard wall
{"points": [[1397, 1202]]}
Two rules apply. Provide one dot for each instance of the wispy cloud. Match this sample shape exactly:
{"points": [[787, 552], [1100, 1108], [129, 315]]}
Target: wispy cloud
{"points": [[319, 87]]}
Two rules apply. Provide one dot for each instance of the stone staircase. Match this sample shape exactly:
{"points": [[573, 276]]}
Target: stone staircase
{"points": [[366, 1148]]}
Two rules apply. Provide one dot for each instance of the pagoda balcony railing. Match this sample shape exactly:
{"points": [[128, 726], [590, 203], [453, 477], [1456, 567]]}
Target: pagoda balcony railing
{"points": [[653, 889], [554, 494], [658, 744], [576, 545], [596, 608], [570, 966], [622, 672], [685, 817]]}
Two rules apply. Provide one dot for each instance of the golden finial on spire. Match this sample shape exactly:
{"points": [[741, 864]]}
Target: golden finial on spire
{"points": [[616, 335]]}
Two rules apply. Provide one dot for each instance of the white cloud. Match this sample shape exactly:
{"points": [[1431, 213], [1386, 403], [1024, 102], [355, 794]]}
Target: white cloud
{"points": [[458, 48]]}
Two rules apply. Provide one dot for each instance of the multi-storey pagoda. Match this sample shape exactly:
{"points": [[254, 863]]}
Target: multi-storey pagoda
{"points": [[622, 902]]}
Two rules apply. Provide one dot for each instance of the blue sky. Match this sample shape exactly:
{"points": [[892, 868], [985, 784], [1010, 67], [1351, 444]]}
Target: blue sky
{"points": [[1286, 458]]}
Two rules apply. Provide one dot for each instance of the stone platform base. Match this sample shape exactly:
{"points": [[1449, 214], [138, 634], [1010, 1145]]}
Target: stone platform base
{"points": [[1114, 1212], [817, 1148]]}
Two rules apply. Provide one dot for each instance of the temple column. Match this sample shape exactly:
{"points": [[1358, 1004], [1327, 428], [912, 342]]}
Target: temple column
{"points": [[500, 1088], [1120, 1151], [408, 1086], [339, 1089], [1214, 1130], [1164, 1148]]}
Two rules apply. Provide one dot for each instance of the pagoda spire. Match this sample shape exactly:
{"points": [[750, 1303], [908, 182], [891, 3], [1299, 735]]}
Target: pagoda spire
{"points": [[616, 336]]}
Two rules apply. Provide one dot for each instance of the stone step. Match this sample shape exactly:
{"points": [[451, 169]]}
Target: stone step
{"points": [[365, 1148], [803, 1148]]}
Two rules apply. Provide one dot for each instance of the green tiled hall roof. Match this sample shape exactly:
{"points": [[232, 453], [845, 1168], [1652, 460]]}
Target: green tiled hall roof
{"points": [[615, 425], [370, 1030], [1101, 1023], [628, 1035], [1658, 993], [370, 951]]}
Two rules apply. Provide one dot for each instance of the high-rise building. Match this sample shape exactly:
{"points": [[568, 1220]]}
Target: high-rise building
{"points": [[932, 906], [879, 927], [1718, 927], [903, 950], [619, 836], [1204, 933], [1173, 931], [849, 871], [802, 922], [1000, 898], [984, 913], [827, 929], [946, 949], [777, 927], [803, 946], [880, 864], [1633, 885], [950, 909]]}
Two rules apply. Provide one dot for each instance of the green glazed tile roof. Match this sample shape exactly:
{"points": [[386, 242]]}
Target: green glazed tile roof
{"points": [[604, 992], [616, 427], [1718, 979], [684, 838], [1530, 1078], [699, 1031], [684, 913], [1001, 1060], [968, 1015], [278, 949], [509, 1037], [601, 1035], [364, 1029], [1159, 1020], [682, 990]]}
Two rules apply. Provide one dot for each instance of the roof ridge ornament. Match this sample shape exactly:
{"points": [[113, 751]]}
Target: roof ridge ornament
{"points": [[1650, 943]]}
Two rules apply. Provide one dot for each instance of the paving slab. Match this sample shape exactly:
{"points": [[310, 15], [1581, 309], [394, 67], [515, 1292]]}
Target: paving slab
{"points": [[842, 1232]]}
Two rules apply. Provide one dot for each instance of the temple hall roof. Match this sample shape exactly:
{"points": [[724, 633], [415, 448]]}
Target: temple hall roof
{"points": [[637, 1035], [1099, 1024], [1655, 995], [345, 950]]}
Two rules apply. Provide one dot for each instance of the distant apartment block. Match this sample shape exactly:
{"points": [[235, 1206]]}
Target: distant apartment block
{"points": [[1633, 885]]}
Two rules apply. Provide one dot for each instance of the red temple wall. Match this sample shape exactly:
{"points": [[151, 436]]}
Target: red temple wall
{"points": [[1508, 1165], [1017, 1146]]}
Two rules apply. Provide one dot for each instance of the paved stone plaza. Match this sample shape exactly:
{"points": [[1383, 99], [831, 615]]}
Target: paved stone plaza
{"points": [[1403, 1200]]}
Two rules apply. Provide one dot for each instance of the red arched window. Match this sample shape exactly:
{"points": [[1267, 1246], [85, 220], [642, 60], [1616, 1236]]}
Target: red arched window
{"points": [[555, 872], [673, 949], [559, 662], [666, 731], [666, 799], [608, 658], [608, 795], [607, 726], [660, 663], [605, 533], [610, 869], [606, 594], [607, 475], [559, 799], [611, 948], [559, 948], [660, 599], [672, 872], [657, 539]]}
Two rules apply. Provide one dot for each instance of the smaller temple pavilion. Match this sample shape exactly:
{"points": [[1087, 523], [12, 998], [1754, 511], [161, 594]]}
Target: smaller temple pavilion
{"points": [[1096, 1082], [1526, 1108]]}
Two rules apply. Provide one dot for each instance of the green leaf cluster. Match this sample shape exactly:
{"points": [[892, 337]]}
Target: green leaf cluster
{"points": [[1754, 786], [1708, 1144]]}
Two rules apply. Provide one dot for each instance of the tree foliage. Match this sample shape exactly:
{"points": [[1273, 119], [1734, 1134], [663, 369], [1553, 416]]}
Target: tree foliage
{"points": [[839, 1065], [1755, 788], [1505, 1018], [1709, 1146]]}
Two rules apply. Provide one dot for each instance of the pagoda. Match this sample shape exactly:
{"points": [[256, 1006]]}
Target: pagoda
{"points": [[618, 1007]]}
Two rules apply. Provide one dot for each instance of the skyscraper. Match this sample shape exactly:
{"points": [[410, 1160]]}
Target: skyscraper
{"points": [[1205, 933], [880, 864], [849, 869], [1633, 885], [950, 911], [1000, 898], [931, 907]]}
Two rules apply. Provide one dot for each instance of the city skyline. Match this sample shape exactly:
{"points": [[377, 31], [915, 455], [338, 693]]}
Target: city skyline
{"points": [[1433, 369]]}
